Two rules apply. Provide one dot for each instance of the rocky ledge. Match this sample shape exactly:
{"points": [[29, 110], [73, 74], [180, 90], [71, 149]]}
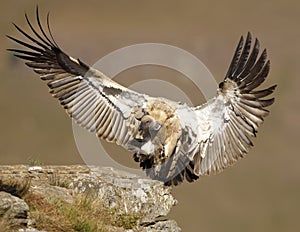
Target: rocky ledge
{"points": [[81, 198]]}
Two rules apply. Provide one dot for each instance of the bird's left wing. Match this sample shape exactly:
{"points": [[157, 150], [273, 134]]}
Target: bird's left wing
{"points": [[227, 122], [93, 100]]}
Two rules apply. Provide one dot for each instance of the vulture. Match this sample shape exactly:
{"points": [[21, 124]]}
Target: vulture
{"points": [[170, 140]]}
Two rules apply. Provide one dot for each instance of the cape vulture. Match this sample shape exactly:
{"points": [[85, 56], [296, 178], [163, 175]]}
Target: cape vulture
{"points": [[171, 141]]}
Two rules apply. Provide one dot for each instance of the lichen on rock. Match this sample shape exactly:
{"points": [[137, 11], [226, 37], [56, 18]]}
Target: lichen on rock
{"points": [[126, 202]]}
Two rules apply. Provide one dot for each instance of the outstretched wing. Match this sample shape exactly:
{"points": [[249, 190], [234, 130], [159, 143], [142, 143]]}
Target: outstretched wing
{"points": [[228, 121], [94, 101]]}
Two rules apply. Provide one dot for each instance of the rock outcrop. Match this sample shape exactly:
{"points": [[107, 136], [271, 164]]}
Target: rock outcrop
{"points": [[147, 200], [13, 210]]}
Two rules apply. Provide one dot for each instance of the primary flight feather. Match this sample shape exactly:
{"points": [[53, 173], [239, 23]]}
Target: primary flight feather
{"points": [[170, 140]]}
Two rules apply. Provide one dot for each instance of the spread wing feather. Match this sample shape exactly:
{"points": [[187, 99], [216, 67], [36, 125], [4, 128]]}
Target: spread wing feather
{"points": [[228, 121], [94, 101]]}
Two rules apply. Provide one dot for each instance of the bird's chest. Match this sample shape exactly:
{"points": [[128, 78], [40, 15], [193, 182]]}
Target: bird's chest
{"points": [[159, 131]]}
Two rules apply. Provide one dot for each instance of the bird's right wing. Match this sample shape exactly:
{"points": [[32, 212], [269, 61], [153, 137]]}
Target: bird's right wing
{"points": [[227, 122], [93, 100]]}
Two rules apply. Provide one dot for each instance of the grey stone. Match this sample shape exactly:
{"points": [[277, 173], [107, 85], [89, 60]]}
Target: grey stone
{"points": [[163, 226], [128, 193], [13, 210]]}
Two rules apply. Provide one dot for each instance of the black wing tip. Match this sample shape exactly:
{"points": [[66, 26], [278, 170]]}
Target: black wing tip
{"points": [[272, 100], [273, 87], [42, 48], [235, 58], [249, 36], [270, 90], [246, 65], [42, 42], [10, 37], [241, 42]]}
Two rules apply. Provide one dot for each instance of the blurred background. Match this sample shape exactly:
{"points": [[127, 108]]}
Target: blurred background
{"points": [[261, 192]]}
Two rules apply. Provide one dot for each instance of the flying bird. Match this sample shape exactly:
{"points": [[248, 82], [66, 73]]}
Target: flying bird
{"points": [[171, 141]]}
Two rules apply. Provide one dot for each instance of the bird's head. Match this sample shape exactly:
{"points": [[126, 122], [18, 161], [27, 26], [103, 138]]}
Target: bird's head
{"points": [[148, 123]]}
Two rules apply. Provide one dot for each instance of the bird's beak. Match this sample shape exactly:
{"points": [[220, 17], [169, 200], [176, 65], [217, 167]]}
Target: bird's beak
{"points": [[156, 125], [141, 127]]}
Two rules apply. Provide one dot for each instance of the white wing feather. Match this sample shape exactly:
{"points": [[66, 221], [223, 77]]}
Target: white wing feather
{"points": [[228, 121]]}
